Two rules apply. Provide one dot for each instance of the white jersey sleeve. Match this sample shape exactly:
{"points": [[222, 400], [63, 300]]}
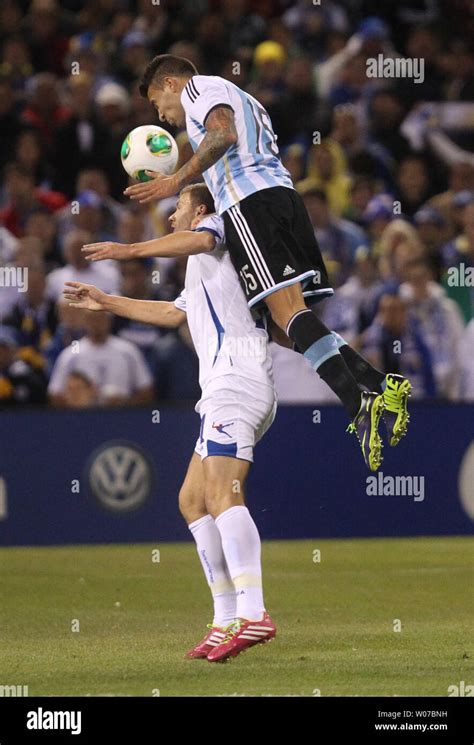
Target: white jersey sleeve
{"points": [[180, 301], [201, 96], [215, 225]]}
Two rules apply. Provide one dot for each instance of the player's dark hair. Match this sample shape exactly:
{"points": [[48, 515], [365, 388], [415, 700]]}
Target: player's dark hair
{"points": [[162, 66], [200, 194]]}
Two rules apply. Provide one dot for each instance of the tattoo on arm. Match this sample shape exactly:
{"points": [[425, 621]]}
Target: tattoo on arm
{"points": [[220, 135]]}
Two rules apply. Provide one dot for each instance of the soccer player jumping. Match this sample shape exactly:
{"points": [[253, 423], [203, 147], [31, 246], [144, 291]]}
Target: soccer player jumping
{"points": [[268, 234]]}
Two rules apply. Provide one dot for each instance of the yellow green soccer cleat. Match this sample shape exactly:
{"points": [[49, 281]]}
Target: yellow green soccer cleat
{"points": [[396, 417], [366, 427]]}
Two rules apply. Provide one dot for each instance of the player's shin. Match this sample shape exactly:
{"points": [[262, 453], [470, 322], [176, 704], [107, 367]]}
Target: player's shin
{"points": [[242, 549], [320, 349], [211, 555], [361, 369]]}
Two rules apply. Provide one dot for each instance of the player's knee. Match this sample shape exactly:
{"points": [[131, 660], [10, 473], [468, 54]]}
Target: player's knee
{"points": [[284, 303], [191, 505], [220, 497]]}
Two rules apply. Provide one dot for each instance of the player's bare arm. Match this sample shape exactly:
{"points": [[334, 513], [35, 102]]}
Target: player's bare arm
{"points": [[182, 243], [221, 134], [156, 312]]}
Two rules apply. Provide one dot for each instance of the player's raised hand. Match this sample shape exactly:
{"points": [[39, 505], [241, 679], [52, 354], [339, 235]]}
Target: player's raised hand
{"points": [[106, 250], [159, 187], [85, 296]]}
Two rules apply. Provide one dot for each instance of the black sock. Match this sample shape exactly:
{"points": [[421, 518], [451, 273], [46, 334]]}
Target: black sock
{"points": [[363, 371], [305, 329]]}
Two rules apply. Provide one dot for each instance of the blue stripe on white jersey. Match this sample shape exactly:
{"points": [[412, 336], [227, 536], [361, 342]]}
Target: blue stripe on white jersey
{"points": [[253, 163]]}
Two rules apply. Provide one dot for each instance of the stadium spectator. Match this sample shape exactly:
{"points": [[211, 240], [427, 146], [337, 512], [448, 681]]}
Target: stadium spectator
{"points": [[70, 327], [20, 383], [268, 85], [115, 366], [31, 154], [15, 62], [327, 170], [34, 319], [353, 306], [461, 248], [91, 180], [412, 183], [431, 228], [88, 214], [338, 239], [81, 141], [136, 282], [24, 198], [439, 321], [42, 225], [79, 391], [44, 109], [175, 366], [297, 114], [77, 268]]}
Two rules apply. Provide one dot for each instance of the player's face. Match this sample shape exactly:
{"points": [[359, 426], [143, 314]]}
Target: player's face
{"points": [[167, 102], [183, 215]]}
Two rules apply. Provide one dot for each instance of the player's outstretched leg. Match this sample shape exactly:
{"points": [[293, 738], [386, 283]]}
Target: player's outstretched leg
{"points": [[211, 555], [325, 358], [396, 390]]}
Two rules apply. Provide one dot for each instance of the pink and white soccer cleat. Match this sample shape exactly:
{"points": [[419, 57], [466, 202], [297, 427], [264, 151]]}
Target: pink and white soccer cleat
{"points": [[215, 635], [241, 635]]}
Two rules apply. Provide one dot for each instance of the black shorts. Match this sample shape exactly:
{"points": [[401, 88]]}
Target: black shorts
{"points": [[272, 245]]}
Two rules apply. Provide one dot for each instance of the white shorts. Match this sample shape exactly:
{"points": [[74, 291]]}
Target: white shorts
{"points": [[233, 421]]}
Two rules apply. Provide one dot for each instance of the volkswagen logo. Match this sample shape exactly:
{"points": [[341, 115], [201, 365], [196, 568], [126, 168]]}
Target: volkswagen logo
{"points": [[120, 476]]}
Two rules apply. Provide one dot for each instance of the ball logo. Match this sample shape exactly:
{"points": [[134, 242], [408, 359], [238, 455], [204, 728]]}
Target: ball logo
{"points": [[141, 175], [158, 144], [466, 481], [120, 476]]}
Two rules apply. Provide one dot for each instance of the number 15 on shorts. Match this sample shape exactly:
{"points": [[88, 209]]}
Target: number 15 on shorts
{"points": [[248, 279]]}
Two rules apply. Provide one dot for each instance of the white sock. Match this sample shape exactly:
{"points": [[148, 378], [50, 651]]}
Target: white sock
{"points": [[209, 548], [241, 546]]}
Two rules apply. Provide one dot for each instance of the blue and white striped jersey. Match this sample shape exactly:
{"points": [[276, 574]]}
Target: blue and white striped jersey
{"points": [[253, 162]]}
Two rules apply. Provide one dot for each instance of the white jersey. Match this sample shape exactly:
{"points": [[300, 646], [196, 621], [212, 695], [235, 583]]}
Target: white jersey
{"points": [[227, 338], [253, 162]]}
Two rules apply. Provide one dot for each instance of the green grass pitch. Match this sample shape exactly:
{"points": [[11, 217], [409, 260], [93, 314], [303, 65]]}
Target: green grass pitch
{"points": [[336, 620]]}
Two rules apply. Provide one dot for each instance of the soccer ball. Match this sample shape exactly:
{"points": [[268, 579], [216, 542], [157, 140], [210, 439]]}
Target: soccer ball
{"points": [[149, 148]]}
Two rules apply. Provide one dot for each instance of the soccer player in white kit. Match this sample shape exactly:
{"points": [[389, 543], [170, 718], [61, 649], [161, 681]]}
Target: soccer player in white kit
{"points": [[268, 233], [237, 406]]}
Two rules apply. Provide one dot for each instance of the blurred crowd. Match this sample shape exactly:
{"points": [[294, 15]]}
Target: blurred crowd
{"points": [[385, 166]]}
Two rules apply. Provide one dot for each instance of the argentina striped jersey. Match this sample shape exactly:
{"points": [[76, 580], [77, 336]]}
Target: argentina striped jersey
{"points": [[253, 162]]}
